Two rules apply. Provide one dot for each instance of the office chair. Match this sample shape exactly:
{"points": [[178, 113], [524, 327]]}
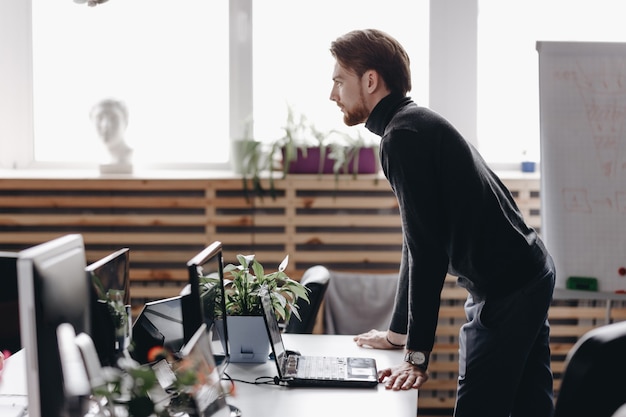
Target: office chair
{"points": [[316, 279], [357, 302], [594, 383], [621, 412]]}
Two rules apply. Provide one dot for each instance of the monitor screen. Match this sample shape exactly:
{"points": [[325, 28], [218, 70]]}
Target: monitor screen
{"points": [[9, 310], [53, 289], [206, 283], [159, 325], [110, 305]]}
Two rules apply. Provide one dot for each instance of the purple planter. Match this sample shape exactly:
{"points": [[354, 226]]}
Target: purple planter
{"points": [[310, 164]]}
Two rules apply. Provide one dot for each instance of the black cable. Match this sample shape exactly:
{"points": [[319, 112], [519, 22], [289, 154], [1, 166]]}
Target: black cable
{"points": [[261, 380]]}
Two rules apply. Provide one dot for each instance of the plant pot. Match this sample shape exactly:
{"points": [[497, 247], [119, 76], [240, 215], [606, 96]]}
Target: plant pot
{"points": [[245, 155], [311, 164], [247, 337]]}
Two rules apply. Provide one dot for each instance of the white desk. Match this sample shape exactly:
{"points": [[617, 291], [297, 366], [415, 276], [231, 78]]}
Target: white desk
{"points": [[272, 400], [13, 377]]}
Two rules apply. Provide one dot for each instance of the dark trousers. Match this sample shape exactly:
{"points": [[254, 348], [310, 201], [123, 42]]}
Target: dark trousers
{"points": [[504, 355]]}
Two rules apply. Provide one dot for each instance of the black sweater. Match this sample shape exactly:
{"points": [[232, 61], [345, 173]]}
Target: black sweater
{"points": [[457, 217]]}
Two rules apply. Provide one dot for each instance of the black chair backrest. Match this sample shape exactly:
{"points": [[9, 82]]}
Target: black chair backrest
{"points": [[315, 279], [594, 383]]}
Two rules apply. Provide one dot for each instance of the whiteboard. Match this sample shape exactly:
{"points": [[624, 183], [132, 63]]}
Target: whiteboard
{"points": [[582, 90]]}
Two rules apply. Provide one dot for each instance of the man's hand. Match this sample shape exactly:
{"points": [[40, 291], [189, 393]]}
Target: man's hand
{"points": [[380, 340], [402, 377]]}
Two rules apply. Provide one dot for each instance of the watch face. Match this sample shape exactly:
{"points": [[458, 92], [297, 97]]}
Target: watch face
{"points": [[418, 358]]}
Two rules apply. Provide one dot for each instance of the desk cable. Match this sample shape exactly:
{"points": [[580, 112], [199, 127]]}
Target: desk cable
{"points": [[261, 380]]}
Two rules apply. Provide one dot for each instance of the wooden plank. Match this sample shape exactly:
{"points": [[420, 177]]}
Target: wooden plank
{"points": [[570, 331], [106, 201], [101, 184], [109, 238], [361, 202], [352, 220], [361, 238], [334, 256], [162, 274], [111, 220], [560, 312], [154, 293]]}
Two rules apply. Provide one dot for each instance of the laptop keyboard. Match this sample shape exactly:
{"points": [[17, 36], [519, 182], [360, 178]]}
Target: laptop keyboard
{"points": [[319, 367]]}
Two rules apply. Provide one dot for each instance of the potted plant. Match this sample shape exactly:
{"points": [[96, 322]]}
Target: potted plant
{"points": [[243, 284], [133, 390], [249, 158], [305, 150]]}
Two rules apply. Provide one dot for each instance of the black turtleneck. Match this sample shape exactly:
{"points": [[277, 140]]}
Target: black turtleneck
{"points": [[457, 217]]}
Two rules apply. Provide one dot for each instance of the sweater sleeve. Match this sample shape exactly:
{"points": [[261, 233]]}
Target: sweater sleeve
{"points": [[412, 166], [399, 318]]}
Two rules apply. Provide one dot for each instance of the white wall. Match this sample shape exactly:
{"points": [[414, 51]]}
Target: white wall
{"points": [[453, 63]]}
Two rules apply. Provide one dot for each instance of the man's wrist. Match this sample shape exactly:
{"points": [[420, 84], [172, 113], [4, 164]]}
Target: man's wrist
{"points": [[418, 359], [395, 345]]}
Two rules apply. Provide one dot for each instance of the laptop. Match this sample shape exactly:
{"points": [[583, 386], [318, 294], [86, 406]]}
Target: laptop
{"points": [[310, 371], [197, 361]]}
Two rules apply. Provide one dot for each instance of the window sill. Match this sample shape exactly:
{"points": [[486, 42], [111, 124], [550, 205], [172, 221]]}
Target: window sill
{"points": [[173, 174]]}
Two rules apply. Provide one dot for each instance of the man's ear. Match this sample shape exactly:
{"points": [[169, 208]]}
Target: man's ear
{"points": [[372, 81]]}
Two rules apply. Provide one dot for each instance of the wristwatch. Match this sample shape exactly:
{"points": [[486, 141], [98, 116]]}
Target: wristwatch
{"points": [[417, 358]]}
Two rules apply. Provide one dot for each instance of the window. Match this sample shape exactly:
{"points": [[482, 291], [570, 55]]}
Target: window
{"points": [[293, 65], [508, 92], [168, 61]]}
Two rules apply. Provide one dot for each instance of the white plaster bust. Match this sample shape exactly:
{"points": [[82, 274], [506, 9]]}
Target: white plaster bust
{"points": [[111, 119]]}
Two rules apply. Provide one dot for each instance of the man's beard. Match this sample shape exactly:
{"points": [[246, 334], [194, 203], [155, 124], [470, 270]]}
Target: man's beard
{"points": [[358, 115]]}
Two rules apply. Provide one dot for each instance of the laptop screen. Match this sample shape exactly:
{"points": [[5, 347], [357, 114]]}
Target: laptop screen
{"points": [[273, 329], [198, 365]]}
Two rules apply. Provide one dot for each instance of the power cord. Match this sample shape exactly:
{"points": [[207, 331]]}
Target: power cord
{"points": [[261, 380]]}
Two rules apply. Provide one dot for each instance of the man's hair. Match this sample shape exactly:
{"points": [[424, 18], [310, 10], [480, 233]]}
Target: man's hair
{"points": [[372, 49]]}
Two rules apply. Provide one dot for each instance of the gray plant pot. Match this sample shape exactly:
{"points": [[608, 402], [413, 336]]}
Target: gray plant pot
{"points": [[247, 336]]}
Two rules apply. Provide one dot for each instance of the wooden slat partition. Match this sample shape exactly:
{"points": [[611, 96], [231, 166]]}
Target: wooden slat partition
{"points": [[346, 224]]}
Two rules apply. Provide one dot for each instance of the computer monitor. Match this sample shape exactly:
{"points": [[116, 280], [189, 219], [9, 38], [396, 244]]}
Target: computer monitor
{"points": [[53, 289], [160, 325], [206, 284], [9, 310], [110, 305]]}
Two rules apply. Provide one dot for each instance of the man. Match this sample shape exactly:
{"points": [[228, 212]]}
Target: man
{"points": [[458, 218]]}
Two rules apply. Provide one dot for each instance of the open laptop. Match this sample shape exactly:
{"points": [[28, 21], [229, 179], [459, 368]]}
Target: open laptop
{"points": [[207, 394], [310, 371]]}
